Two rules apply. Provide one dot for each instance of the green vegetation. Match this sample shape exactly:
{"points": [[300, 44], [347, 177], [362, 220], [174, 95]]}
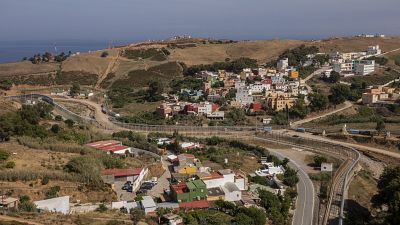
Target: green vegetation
{"points": [[341, 92], [6, 84], [189, 82], [297, 56], [136, 140], [290, 177], [102, 208], [299, 109], [52, 192], [4, 155], [388, 196], [374, 79], [306, 71], [26, 205], [71, 77], [75, 89], [235, 66], [277, 207], [318, 101], [396, 59], [364, 115], [318, 160], [151, 53], [154, 91], [380, 60]]}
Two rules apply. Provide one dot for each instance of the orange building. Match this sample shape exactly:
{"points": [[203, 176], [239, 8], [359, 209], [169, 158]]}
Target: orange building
{"points": [[293, 74]]}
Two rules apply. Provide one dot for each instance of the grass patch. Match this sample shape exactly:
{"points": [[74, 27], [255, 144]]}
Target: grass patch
{"points": [[151, 53], [374, 79], [80, 77]]}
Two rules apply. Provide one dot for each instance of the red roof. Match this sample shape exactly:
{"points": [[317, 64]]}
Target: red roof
{"points": [[187, 155], [102, 144], [213, 175], [194, 204], [122, 172], [114, 148], [179, 188]]}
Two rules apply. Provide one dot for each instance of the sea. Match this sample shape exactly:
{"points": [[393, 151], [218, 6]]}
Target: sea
{"points": [[13, 51]]}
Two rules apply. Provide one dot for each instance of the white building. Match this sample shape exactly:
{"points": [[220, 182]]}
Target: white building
{"points": [[59, 205], [283, 64], [364, 67], [244, 97], [374, 50], [259, 87], [204, 108], [148, 204], [232, 192]]}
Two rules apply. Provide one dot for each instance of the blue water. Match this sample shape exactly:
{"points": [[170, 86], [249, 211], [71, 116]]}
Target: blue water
{"points": [[12, 51]]}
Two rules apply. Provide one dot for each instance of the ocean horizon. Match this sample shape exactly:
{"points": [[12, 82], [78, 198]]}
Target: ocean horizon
{"points": [[14, 51]]}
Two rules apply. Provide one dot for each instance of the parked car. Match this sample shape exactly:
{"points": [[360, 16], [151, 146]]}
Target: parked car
{"points": [[130, 189], [127, 185], [146, 186]]}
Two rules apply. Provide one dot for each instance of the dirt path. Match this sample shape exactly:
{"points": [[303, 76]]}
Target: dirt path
{"points": [[9, 218], [346, 105], [110, 68]]}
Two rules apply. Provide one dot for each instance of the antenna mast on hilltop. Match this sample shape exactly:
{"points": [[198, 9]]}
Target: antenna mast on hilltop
{"points": [[55, 48]]}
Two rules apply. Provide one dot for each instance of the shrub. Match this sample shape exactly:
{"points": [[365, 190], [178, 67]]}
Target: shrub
{"points": [[4, 155], [70, 123], [55, 128], [104, 54], [45, 180], [102, 208], [10, 165], [52, 192], [58, 118], [25, 204]]}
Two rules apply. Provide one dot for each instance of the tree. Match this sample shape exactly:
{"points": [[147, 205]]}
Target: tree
{"points": [[154, 92], [389, 195], [319, 159], [339, 93], [70, 123], [318, 101], [334, 77], [10, 165], [380, 125], [290, 177], [137, 215], [104, 54], [75, 89], [55, 128], [299, 110], [25, 204]]}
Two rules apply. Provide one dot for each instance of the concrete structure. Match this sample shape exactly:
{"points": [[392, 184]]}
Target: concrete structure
{"points": [[232, 192], [148, 205], [8, 202], [363, 67], [374, 50], [283, 64], [60, 205], [280, 103], [134, 175], [214, 194], [326, 167], [109, 146], [125, 204], [172, 219]]}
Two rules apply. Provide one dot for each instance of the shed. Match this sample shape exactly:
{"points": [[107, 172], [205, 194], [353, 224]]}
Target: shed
{"points": [[148, 205]]}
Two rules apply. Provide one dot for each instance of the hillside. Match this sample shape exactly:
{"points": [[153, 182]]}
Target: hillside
{"points": [[138, 63]]}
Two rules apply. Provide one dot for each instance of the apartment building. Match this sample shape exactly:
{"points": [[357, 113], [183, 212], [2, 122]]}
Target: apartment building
{"points": [[280, 103], [283, 64]]}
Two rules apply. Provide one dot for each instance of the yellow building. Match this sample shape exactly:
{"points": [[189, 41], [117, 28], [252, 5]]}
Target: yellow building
{"points": [[279, 103], [188, 169], [293, 74]]}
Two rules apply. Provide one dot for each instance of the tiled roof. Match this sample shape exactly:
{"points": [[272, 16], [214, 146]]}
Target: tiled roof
{"points": [[114, 148], [101, 144], [122, 172], [213, 175], [194, 204], [179, 188]]}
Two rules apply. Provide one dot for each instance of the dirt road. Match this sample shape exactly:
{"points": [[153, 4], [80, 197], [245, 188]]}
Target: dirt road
{"points": [[9, 218]]}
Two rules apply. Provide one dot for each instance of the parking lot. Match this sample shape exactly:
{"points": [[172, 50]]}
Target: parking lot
{"points": [[123, 195]]}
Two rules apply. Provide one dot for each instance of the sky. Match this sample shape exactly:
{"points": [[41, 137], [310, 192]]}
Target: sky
{"points": [[122, 20]]}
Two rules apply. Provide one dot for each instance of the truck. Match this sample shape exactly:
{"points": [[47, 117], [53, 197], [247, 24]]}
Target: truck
{"points": [[267, 129]]}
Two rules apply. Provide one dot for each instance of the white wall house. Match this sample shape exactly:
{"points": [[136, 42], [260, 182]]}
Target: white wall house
{"points": [[232, 192], [364, 67], [244, 97], [283, 64], [60, 204]]}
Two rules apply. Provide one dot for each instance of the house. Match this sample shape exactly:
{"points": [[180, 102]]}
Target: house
{"points": [[60, 205], [186, 169], [293, 74], [110, 146], [283, 64], [8, 202], [172, 219], [198, 204], [134, 175], [189, 191], [148, 205], [232, 192], [164, 110], [255, 106], [218, 115], [214, 194], [326, 167], [280, 103]]}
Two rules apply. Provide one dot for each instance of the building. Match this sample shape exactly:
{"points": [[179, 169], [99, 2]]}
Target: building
{"points": [[148, 205], [164, 110], [364, 67], [244, 97], [218, 115], [326, 167], [59, 205], [283, 64], [369, 98], [255, 106], [374, 50], [189, 191], [8, 202], [214, 194], [134, 175], [232, 192], [110, 146], [172, 219], [280, 103], [293, 74]]}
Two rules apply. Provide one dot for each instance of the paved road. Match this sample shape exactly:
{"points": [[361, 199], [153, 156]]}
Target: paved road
{"points": [[304, 212], [356, 146], [317, 72]]}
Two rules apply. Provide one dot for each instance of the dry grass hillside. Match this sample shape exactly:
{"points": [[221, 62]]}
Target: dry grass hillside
{"points": [[92, 69], [208, 53], [7, 106]]}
